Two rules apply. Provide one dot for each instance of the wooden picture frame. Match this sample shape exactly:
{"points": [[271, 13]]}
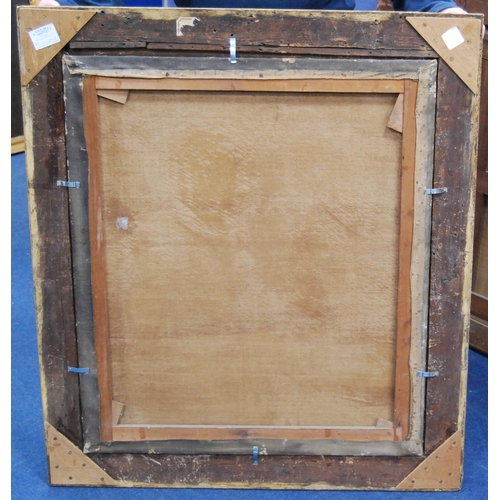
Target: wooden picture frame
{"points": [[251, 244]]}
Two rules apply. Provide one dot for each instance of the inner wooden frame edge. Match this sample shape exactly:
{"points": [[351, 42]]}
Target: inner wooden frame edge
{"points": [[402, 398]]}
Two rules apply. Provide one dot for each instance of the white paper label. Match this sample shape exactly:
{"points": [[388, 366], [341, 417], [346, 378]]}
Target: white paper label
{"points": [[45, 36], [453, 38]]}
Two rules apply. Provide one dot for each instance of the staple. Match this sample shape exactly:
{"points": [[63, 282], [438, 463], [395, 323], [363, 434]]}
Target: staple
{"points": [[436, 190], [232, 50], [81, 371], [255, 455], [428, 374], [68, 184]]}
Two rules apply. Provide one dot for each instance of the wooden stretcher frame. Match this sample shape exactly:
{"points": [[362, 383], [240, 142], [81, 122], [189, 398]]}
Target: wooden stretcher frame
{"points": [[117, 47]]}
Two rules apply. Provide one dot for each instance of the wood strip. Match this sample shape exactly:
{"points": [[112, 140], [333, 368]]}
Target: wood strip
{"points": [[273, 472], [479, 213], [78, 170], [161, 433], [451, 270], [479, 306], [271, 67], [215, 84], [17, 145], [299, 85], [378, 368], [281, 447], [424, 167], [403, 387], [478, 338], [243, 49], [261, 29], [482, 182], [90, 111], [51, 249]]}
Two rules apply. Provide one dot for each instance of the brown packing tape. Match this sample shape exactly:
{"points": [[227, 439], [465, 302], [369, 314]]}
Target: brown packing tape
{"points": [[464, 59], [67, 22]]}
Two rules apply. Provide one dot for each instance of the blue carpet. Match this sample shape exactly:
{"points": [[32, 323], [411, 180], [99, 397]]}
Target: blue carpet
{"points": [[29, 473]]}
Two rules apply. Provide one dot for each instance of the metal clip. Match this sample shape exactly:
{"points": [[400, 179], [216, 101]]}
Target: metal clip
{"points": [[427, 374], [232, 49], [255, 455], [67, 184], [436, 190], [82, 371]]}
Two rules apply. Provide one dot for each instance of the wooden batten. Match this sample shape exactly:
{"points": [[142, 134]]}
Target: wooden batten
{"points": [[17, 145], [68, 465], [67, 22], [465, 58], [441, 470], [159, 433], [403, 343], [98, 275]]}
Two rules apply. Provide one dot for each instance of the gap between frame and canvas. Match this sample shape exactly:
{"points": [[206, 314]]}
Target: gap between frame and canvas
{"points": [[423, 131]]}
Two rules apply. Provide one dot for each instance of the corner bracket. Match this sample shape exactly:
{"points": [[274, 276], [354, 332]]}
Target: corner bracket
{"points": [[457, 40], [441, 470], [63, 23], [68, 465]]}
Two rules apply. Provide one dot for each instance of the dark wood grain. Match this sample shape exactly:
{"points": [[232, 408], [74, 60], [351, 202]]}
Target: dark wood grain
{"points": [[97, 257], [16, 113], [271, 471], [53, 275], [450, 262], [255, 30]]}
